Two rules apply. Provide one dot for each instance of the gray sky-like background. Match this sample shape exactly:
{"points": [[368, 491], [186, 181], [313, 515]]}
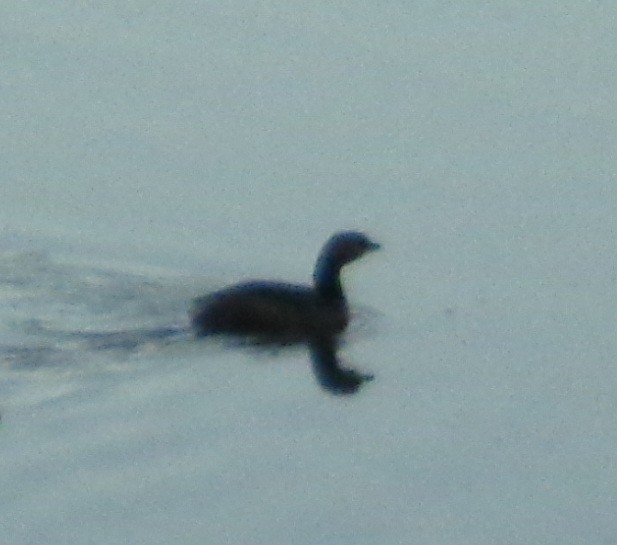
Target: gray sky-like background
{"points": [[475, 140]]}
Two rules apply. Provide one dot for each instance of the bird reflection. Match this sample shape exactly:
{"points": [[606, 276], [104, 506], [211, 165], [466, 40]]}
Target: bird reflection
{"points": [[330, 374]]}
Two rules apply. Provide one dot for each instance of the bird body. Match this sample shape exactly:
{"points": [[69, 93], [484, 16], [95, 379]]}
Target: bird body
{"points": [[272, 311]]}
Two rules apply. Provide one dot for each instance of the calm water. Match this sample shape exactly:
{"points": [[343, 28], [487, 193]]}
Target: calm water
{"points": [[152, 153]]}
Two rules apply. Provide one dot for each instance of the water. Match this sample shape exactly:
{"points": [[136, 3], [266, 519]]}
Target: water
{"points": [[101, 368], [151, 154]]}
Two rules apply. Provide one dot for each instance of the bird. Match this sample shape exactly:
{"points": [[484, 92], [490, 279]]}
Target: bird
{"points": [[278, 313]]}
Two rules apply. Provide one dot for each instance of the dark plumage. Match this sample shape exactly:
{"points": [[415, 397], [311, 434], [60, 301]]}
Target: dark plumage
{"points": [[278, 313]]}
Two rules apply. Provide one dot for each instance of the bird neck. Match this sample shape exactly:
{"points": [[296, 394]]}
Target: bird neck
{"points": [[327, 278]]}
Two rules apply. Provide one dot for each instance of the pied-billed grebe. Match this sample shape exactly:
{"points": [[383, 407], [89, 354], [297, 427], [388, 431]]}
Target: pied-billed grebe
{"points": [[278, 313]]}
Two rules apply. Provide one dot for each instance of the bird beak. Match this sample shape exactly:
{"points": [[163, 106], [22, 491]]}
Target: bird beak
{"points": [[374, 246]]}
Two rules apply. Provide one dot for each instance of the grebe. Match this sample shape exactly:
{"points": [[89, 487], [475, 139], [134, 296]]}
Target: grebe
{"points": [[279, 313]]}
